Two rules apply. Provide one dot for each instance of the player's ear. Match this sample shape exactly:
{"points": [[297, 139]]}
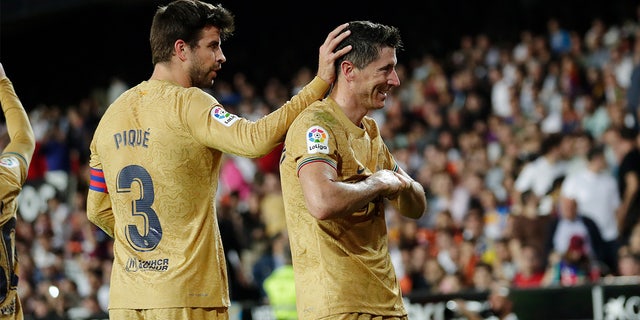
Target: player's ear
{"points": [[180, 49], [347, 68]]}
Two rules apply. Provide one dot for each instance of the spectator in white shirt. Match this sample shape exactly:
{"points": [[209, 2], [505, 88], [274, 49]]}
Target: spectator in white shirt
{"points": [[596, 193]]}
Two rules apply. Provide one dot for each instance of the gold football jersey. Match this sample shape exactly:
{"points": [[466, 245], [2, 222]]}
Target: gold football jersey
{"points": [[342, 265], [14, 165], [155, 160]]}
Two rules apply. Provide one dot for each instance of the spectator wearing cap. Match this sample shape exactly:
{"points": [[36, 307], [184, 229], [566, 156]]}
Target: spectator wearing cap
{"points": [[568, 224], [571, 268]]}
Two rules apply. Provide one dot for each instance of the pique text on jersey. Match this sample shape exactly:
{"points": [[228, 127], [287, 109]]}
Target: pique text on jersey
{"points": [[132, 138]]}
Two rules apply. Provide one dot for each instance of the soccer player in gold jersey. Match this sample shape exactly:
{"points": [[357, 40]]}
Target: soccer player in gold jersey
{"points": [[14, 165], [155, 160], [337, 176]]}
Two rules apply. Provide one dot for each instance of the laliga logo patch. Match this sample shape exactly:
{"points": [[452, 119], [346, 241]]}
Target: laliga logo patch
{"points": [[10, 162], [317, 140], [223, 116]]}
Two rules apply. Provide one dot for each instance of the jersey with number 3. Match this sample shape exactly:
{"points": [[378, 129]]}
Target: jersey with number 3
{"points": [[155, 160]]}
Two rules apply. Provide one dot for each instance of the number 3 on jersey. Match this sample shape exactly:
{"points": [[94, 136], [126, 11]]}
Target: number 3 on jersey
{"points": [[148, 238]]}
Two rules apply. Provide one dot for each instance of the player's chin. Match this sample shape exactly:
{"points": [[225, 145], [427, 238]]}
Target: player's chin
{"points": [[381, 98], [379, 105]]}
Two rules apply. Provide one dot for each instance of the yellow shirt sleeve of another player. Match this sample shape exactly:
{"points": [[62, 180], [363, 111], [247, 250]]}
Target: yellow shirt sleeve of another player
{"points": [[22, 140], [216, 128]]}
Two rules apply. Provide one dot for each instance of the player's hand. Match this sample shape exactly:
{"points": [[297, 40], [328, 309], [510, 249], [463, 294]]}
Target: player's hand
{"points": [[327, 57], [392, 183]]}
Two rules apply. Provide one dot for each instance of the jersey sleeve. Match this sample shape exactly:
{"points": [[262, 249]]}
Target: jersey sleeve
{"points": [[218, 129], [22, 141], [311, 139], [99, 210]]}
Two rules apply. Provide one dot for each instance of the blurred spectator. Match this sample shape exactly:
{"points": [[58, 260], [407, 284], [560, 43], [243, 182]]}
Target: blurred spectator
{"points": [[280, 287], [528, 226], [272, 204], [572, 267], [628, 178], [483, 277], [582, 143], [500, 94], [495, 215], [539, 174], [628, 265], [452, 283], [529, 268], [633, 90], [448, 251], [571, 224], [596, 193], [273, 257], [232, 178], [41, 309], [559, 39], [439, 197], [433, 273], [241, 288], [633, 245], [595, 118], [501, 259]]}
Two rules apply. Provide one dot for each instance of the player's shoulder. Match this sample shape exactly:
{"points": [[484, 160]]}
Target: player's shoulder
{"points": [[167, 91], [318, 111]]}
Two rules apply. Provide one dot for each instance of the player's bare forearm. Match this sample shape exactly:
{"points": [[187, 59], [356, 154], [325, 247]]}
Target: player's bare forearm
{"points": [[412, 202], [328, 198]]}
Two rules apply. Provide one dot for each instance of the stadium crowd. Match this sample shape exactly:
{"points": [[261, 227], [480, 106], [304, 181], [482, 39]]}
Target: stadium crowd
{"points": [[494, 132]]}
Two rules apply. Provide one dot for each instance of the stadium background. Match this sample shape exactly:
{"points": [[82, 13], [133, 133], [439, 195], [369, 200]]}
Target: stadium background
{"points": [[58, 50]]}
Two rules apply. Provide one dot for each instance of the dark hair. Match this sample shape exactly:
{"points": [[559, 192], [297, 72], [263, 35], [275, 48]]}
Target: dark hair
{"points": [[185, 19], [366, 39], [628, 134], [550, 142], [595, 151]]}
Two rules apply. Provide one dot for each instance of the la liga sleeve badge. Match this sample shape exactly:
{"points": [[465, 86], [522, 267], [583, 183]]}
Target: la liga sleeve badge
{"points": [[9, 162], [317, 140], [223, 116]]}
